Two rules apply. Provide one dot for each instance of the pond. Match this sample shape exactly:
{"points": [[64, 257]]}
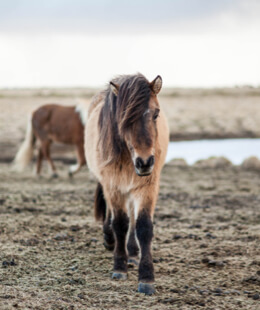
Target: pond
{"points": [[236, 150]]}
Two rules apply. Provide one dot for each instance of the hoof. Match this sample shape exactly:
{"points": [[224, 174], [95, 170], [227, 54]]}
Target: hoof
{"points": [[119, 276], [146, 288], [133, 261], [54, 175], [109, 247]]}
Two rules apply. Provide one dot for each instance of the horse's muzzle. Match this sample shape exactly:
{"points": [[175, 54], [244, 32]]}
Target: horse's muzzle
{"points": [[144, 167]]}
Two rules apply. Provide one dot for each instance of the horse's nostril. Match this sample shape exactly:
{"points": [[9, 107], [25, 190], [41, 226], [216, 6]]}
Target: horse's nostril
{"points": [[150, 161], [139, 163]]}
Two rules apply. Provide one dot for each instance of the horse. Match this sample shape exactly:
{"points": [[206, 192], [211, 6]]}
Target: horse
{"points": [[53, 123], [126, 140]]}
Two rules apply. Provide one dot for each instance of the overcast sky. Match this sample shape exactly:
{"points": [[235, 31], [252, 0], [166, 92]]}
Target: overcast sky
{"points": [[117, 16], [84, 43]]}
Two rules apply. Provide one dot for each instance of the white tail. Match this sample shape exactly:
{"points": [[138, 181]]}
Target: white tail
{"points": [[82, 109], [25, 152]]}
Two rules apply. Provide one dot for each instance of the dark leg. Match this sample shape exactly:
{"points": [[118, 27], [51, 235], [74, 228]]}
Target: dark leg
{"points": [[109, 240], [144, 230], [39, 161], [46, 153], [120, 227]]}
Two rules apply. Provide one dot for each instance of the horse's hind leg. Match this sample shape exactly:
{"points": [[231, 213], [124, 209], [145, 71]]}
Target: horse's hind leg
{"points": [[109, 240], [39, 161], [81, 160], [102, 212], [46, 152], [132, 246]]}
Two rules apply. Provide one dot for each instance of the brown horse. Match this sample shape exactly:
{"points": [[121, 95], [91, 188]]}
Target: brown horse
{"points": [[126, 140], [53, 123]]}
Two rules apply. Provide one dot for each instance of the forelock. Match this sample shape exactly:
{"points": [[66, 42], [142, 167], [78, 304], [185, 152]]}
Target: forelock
{"points": [[133, 100]]}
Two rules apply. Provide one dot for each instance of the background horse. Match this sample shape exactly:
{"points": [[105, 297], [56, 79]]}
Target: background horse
{"points": [[126, 140], [53, 123]]}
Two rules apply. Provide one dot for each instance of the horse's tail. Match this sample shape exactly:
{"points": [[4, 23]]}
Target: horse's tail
{"points": [[82, 110], [100, 204], [25, 152]]}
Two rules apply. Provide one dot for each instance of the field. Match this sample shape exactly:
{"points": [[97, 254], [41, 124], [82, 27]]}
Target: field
{"points": [[192, 113], [207, 223]]}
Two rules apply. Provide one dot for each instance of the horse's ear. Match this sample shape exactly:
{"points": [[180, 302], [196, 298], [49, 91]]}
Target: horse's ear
{"points": [[156, 84], [115, 88]]}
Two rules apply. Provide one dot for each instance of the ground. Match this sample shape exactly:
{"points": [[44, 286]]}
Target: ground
{"points": [[205, 250], [207, 223]]}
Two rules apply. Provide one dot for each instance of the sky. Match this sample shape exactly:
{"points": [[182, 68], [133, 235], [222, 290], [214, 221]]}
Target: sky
{"points": [[190, 43]]}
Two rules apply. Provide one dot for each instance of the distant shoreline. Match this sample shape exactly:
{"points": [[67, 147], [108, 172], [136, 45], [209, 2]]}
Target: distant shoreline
{"points": [[193, 114]]}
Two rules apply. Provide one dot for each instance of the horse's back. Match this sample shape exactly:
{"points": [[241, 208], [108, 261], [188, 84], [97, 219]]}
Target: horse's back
{"points": [[49, 111], [58, 123], [95, 101]]}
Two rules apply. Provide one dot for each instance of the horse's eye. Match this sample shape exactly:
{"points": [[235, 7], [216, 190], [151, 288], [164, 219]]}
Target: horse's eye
{"points": [[155, 116]]}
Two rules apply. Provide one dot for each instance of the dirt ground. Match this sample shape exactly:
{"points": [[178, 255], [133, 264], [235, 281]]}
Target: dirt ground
{"points": [[207, 223], [206, 243]]}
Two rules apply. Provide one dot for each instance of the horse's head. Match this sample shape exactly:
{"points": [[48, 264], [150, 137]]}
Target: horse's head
{"points": [[136, 116]]}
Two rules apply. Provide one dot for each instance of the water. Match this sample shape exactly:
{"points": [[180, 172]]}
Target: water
{"points": [[236, 150]]}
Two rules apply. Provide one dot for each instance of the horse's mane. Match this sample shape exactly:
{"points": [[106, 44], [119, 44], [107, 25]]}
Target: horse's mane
{"points": [[120, 112]]}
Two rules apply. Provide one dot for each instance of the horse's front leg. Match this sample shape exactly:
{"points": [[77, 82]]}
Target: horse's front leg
{"points": [[144, 231], [120, 223]]}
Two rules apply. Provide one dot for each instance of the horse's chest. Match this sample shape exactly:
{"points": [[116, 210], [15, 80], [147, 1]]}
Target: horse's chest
{"points": [[120, 180]]}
